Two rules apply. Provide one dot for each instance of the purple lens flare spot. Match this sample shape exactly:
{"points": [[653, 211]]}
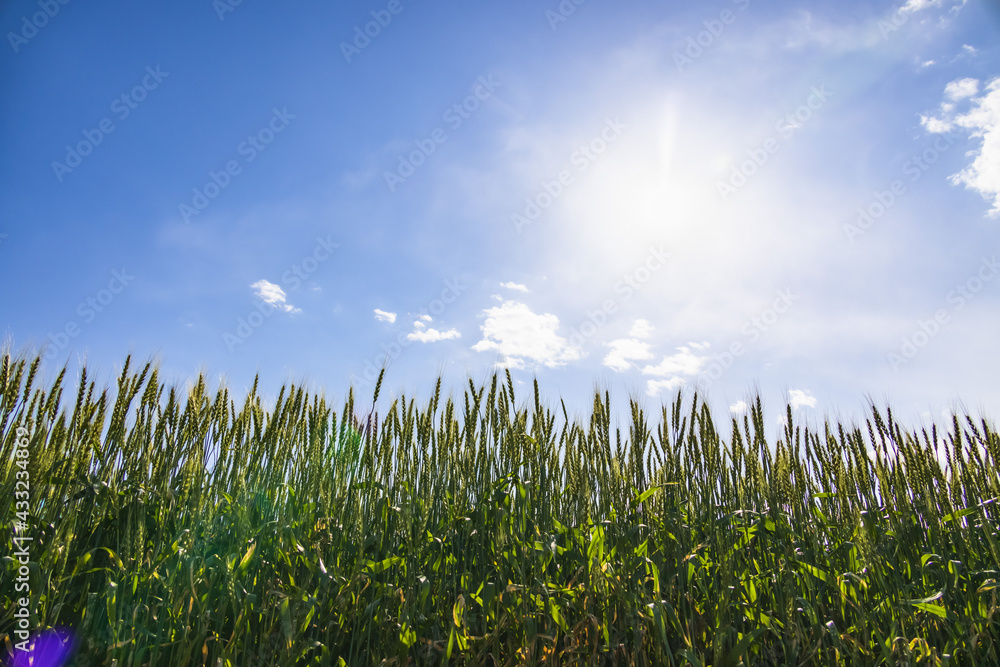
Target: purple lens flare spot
{"points": [[51, 648]]}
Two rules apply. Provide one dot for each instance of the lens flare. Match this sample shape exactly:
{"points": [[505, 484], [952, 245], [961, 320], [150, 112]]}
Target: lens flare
{"points": [[51, 648]]}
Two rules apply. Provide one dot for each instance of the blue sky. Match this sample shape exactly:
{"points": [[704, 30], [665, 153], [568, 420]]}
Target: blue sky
{"points": [[799, 199]]}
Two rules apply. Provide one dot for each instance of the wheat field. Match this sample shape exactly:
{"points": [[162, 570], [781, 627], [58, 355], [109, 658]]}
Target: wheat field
{"points": [[174, 527]]}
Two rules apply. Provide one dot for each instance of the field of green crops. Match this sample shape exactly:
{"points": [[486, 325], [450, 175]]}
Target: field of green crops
{"points": [[181, 527]]}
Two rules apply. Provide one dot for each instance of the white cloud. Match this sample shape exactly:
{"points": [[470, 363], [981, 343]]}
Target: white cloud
{"points": [[625, 350], [383, 316], [432, 335], [939, 125], [913, 6], [641, 329], [520, 336], [684, 362], [936, 125], [959, 89], [657, 387], [515, 286], [983, 175], [674, 368], [983, 122], [799, 398], [425, 318], [273, 295], [738, 408], [422, 334]]}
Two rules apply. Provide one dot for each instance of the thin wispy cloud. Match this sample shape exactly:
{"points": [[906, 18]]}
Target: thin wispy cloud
{"points": [[913, 6], [385, 316], [658, 388]]}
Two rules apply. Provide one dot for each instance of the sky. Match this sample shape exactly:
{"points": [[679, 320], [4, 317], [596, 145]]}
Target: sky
{"points": [[798, 200]]}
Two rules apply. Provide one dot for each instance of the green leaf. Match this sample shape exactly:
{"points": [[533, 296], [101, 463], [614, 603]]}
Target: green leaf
{"points": [[744, 644], [935, 609], [245, 561], [927, 557], [930, 598], [383, 565], [691, 657], [925, 604], [286, 623], [814, 571], [958, 515], [642, 497]]}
